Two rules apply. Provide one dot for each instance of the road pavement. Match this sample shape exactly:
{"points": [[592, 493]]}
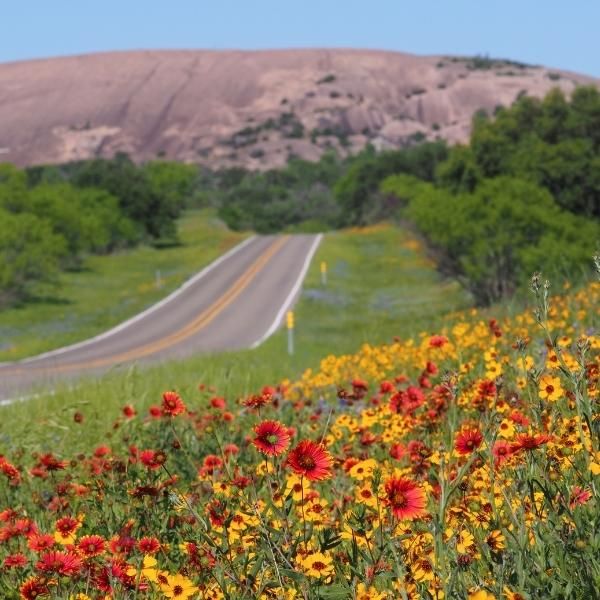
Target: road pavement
{"points": [[236, 302]]}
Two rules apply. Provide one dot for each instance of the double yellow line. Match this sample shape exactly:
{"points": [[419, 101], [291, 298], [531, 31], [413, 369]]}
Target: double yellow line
{"points": [[193, 327]]}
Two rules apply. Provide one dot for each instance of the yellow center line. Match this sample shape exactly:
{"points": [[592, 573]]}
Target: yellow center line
{"points": [[193, 327]]}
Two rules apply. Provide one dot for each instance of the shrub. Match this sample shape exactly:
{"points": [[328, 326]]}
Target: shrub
{"points": [[495, 237]]}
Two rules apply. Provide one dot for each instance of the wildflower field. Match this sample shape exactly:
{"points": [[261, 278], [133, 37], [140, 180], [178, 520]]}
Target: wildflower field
{"points": [[462, 464]]}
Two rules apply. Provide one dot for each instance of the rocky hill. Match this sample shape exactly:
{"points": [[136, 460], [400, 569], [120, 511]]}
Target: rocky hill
{"points": [[254, 109]]}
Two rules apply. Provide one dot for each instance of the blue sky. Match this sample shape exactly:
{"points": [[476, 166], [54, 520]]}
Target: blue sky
{"points": [[555, 33]]}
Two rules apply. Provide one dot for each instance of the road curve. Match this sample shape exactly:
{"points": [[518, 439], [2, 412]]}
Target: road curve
{"points": [[236, 302]]}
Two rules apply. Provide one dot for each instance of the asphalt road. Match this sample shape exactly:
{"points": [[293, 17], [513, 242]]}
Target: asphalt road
{"points": [[234, 303]]}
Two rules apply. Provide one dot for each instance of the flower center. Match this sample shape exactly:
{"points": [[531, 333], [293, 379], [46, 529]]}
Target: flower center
{"points": [[398, 499], [318, 565], [307, 462]]}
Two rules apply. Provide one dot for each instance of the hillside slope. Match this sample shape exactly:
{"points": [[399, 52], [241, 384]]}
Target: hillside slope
{"points": [[253, 109]]}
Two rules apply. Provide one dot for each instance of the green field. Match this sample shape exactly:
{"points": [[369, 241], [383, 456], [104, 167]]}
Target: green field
{"points": [[111, 289], [380, 285]]}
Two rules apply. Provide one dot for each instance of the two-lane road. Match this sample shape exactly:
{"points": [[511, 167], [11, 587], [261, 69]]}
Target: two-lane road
{"points": [[236, 302]]}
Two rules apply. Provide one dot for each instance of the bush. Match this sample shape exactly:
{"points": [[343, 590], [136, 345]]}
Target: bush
{"points": [[30, 253], [497, 236]]}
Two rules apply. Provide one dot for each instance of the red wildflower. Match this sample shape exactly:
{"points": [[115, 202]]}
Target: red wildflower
{"points": [[468, 441], [217, 513], [431, 368], [91, 545], [501, 451], [487, 389], [230, 449], [51, 463], [8, 514], [10, 471], [59, 563], [155, 412], [437, 341], [15, 561], [25, 527], [101, 451], [149, 545], [172, 404], [40, 542], [34, 588], [407, 401], [151, 459], [526, 441], [211, 463], [398, 451], [272, 438], [360, 384], [129, 411], [579, 496], [258, 400], [519, 418], [115, 570], [67, 525], [385, 387], [121, 544], [310, 460], [406, 499], [218, 402]]}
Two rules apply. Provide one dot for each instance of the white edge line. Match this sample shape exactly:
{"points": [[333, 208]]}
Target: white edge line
{"points": [[292, 295], [144, 313]]}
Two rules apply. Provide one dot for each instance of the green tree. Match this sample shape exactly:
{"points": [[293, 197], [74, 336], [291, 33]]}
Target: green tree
{"points": [[30, 254]]}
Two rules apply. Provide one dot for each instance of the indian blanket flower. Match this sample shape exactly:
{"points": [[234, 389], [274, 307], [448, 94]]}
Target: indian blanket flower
{"points": [[66, 530], [172, 404], [529, 441], [310, 460], [34, 588], [405, 498], [501, 451], [51, 463], [91, 545], [272, 438], [40, 542], [258, 400], [15, 561], [149, 545], [468, 440], [579, 496], [152, 459], [58, 562]]}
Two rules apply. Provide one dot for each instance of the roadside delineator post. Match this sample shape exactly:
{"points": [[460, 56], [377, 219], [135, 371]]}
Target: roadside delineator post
{"points": [[323, 273], [290, 328], [157, 278]]}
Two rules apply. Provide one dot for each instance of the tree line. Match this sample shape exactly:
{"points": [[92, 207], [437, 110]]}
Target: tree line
{"points": [[522, 196], [52, 217]]}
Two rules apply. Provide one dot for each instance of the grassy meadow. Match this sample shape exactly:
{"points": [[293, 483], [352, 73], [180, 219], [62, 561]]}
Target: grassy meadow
{"points": [[380, 271], [462, 462]]}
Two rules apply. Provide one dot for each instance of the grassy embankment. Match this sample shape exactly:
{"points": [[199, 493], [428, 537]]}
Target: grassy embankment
{"points": [[111, 289], [379, 286]]}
